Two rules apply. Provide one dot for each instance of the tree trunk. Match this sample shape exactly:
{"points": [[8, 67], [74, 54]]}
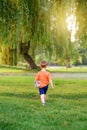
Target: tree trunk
{"points": [[24, 50], [30, 61], [68, 63]]}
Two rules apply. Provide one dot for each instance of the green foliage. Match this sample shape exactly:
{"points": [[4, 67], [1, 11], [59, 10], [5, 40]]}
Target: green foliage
{"points": [[8, 20], [43, 22], [81, 14]]}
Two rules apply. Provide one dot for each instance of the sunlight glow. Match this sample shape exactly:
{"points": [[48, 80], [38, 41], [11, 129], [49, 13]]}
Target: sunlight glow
{"points": [[72, 26]]}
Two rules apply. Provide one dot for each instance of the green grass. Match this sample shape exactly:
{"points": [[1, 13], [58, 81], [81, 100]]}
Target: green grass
{"points": [[64, 69], [11, 69], [14, 69], [21, 109]]}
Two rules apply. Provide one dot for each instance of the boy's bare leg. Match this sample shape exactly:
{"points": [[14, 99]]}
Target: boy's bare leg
{"points": [[43, 97]]}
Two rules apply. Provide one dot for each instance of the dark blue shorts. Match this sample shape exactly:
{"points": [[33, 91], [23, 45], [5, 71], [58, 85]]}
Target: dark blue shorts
{"points": [[43, 90]]}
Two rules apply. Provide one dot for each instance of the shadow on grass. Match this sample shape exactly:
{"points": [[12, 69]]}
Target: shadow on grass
{"points": [[35, 96], [22, 95], [4, 125], [69, 96]]}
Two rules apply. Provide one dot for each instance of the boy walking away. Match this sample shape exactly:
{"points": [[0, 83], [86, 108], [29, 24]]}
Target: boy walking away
{"points": [[43, 78]]}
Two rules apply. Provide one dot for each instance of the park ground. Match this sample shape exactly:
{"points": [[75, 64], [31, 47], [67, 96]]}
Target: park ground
{"points": [[21, 109]]}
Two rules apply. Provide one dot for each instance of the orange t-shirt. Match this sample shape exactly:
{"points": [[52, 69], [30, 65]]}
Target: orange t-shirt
{"points": [[44, 77]]}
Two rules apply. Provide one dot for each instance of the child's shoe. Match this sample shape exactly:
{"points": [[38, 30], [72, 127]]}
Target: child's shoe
{"points": [[43, 104]]}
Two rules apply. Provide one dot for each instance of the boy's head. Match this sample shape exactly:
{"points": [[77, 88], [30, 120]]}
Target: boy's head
{"points": [[43, 64]]}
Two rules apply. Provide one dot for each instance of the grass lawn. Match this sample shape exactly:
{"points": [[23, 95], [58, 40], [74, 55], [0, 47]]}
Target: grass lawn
{"points": [[14, 69], [64, 69], [21, 109], [11, 69]]}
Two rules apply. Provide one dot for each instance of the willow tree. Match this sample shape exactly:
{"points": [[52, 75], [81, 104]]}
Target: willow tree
{"points": [[38, 23], [18, 25], [25, 25], [28, 25]]}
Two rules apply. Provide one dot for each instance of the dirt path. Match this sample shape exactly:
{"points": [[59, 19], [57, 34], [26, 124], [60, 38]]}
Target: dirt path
{"points": [[54, 75], [70, 75]]}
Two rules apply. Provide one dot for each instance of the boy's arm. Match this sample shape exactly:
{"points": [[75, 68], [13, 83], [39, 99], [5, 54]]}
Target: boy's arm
{"points": [[51, 83]]}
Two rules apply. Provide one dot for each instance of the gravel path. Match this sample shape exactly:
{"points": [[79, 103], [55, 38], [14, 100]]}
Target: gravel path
{"points": [[70, 75], [54, 75]]}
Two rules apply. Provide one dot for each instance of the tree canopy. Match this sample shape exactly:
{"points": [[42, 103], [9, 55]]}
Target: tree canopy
{"points": [[41, 25]]}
